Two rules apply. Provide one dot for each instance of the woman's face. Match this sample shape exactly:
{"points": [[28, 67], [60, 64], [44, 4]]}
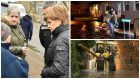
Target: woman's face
{"points": [[13, 18], [52, 24]]}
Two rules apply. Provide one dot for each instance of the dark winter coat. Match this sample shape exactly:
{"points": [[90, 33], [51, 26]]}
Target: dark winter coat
{"points": [[45, 36], [27, 27], [57, 56], [112, 66], [11, 66]]}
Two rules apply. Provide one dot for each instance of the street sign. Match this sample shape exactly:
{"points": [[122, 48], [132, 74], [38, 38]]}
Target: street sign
{"points": [[126, 20]]}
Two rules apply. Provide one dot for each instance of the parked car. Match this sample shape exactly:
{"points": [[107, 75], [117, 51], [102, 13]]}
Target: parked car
{"points": [[4, 7]]}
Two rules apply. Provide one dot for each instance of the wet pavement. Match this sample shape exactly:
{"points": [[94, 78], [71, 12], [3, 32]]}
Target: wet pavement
{"points": [[123, 70], [101, 35], [96, 30]]}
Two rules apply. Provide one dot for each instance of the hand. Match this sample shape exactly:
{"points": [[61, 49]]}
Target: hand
{"points": [[24, 50], [43, 73]]}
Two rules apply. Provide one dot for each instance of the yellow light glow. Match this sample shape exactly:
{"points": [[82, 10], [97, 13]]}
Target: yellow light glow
{"points": [[83, 28], [96, 7], [97, 23]]}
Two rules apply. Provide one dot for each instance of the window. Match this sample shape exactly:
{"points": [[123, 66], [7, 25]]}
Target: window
{"points": [[126, 4], [136, 5], [39, 8]]}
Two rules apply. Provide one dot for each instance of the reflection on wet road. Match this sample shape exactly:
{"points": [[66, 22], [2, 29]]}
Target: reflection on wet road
{"points": [[105, 74], [96, 30]]}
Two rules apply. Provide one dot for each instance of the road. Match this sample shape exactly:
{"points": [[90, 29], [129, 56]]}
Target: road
{"points": [[35, 56], [105, 74], [35, 42], [88, 30], [36, 63]]}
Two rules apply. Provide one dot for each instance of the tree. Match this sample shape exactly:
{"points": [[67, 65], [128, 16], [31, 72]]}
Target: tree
{"points": [[78, 57]]}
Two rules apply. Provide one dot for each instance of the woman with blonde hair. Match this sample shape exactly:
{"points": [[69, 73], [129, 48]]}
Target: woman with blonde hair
{"points": [[57, 55]]}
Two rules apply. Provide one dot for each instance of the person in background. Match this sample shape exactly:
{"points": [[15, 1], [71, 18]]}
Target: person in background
{"points": [[45, 32], [11, 66], [110, 59], [27, 26], [111, 19], [18, 39], [57, 55], [100, 60]]}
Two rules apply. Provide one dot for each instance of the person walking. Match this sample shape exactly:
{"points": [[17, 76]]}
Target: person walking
{"points": [[111, 19], [111, 61], [27, 26], [100, 60]]}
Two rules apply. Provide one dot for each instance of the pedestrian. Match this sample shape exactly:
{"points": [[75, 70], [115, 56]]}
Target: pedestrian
{"points": [[111, 19], [100, 60], [112, 66], [18, 39], [57, 56], [11, 66], [27, 26], [45, 32]]}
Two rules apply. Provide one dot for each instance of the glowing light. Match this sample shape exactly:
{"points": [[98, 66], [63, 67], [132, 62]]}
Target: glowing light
{"points": [[126, 20], [97, 23]]}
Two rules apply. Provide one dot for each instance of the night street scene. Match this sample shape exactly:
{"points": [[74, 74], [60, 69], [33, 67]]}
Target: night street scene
{"points": [[104, 19], [105, 59]]}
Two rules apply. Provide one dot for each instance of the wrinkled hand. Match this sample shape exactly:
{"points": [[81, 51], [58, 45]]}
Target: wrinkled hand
{"points": [[24, 50]]}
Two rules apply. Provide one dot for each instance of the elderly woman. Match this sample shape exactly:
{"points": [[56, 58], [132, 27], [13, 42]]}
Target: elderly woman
{"points": [[57, 55], [17, 36]]}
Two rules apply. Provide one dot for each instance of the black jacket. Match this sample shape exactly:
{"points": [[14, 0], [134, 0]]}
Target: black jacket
{"points": [[45, 36], [57, 56]]}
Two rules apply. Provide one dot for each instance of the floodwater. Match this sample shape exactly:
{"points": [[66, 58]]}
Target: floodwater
{"points": [[124, 69], [96, 30]]}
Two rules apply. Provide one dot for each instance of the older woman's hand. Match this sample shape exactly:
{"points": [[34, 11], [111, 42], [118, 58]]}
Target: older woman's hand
{"points": [[24, 50]]}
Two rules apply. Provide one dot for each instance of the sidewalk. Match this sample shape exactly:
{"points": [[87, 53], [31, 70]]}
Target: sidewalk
{"points": [[36, 63], [35, 38]]}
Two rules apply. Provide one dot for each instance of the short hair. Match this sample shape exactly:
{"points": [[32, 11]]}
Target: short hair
{"points": [[5, 31], [57, 11], [13, 8]]}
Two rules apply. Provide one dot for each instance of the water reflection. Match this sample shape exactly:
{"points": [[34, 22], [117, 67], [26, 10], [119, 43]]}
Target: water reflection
{"points": [[123, 69], [95, 30]]}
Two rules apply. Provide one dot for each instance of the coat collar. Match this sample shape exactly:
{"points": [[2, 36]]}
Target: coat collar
{"points": [[5, 45], [60, 29]]}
